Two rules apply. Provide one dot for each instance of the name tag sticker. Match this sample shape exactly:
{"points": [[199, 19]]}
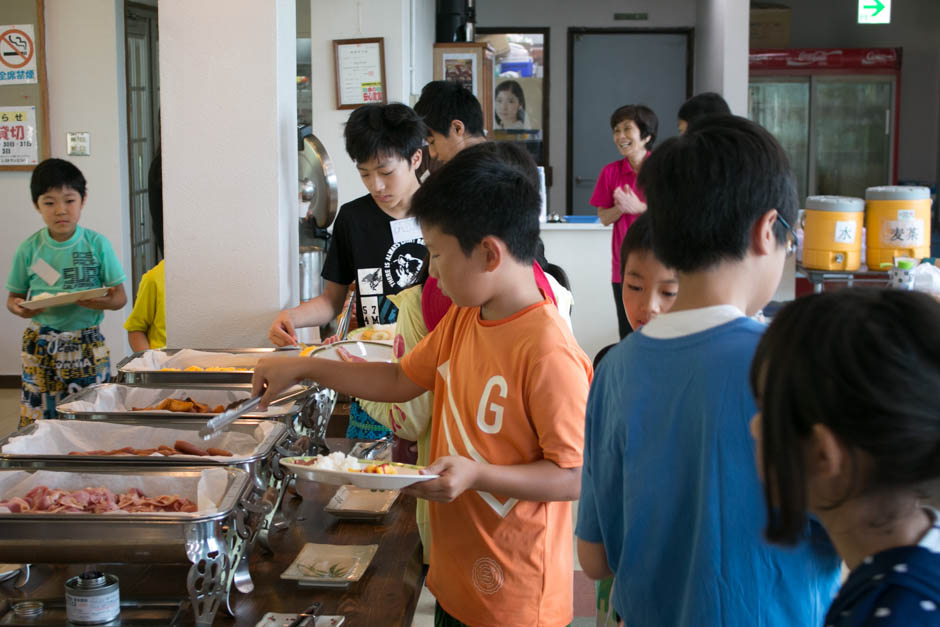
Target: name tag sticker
{"points": [[45, 272], [405, 230]]}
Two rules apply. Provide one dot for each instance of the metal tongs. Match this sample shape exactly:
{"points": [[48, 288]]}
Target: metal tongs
{"points": [[342, 330], [214, 425]]}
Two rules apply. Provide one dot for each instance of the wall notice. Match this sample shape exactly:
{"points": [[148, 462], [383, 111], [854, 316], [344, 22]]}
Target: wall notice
{"points": [[17, 55], [18, 144]]}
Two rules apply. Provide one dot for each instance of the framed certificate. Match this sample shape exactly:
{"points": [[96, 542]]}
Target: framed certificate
{"points": [[360, 72]]}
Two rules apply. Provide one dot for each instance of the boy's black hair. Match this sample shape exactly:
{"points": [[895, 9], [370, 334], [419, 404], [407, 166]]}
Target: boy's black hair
{"points": [[377, 130], [866, 364], [481, 192], [703, 104], [644, 118], [56, 174], [516, 90], [639, 239], [706, 189], [442, 102]]}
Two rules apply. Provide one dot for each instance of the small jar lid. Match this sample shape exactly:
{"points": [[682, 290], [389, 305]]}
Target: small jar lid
{"points": [[28, 608], [835, 203], [906, 264], [897, 192]]}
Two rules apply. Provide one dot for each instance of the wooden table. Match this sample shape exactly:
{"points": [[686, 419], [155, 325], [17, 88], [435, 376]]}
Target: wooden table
{"points": [[386, 595]]}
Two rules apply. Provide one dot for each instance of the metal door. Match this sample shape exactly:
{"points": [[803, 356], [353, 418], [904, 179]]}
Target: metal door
{"points": [[607, 69]]}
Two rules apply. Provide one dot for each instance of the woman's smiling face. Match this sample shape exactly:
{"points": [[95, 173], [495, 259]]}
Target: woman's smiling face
{"points": [[627, 139]]}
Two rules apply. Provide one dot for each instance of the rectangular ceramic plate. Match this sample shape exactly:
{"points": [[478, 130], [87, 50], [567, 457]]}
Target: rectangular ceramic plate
{"points": [[65, 298], [406, 475], [279, 619], [360, 503], [331, 565]]}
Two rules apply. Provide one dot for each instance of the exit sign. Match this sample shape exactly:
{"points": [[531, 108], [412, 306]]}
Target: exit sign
{"points": [[874, 11]]}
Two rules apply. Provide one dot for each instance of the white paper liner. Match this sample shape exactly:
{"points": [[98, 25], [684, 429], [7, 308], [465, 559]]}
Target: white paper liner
{"points": [[116, 398], [207, 491], [61, 437], [156, 360]]}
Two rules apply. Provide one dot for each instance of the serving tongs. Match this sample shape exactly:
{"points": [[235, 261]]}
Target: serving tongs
{"points": [[342, 330], [214, 425]]}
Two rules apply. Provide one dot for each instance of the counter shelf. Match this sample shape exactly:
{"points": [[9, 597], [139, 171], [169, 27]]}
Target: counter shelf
{"points": [[863, 276], [210, 542], [386, 595]]}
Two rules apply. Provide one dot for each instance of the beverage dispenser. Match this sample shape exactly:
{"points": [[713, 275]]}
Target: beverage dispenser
{"points": [[318, 199]]}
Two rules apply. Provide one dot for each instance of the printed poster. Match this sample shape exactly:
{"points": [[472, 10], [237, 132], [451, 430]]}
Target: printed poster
{"points": [[17, 55], [18, 145]]}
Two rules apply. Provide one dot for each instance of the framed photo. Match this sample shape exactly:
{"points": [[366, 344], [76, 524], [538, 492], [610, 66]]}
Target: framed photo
{"points": [[520, 88], [471, 66], [360, 72]]}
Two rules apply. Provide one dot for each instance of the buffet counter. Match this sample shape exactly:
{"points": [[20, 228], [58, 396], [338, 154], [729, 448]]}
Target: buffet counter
{"points": [[386, 594]]}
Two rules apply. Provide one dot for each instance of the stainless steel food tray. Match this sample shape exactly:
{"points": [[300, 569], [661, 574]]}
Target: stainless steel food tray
{"points": [[281, 409], [213, 543], [184, 378]]}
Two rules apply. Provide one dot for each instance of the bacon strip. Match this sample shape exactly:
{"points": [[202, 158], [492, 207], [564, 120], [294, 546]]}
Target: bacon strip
{"points": [[96, 500]]}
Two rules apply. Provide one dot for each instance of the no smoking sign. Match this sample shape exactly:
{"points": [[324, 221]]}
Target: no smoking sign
{"points": [[17, 54]]}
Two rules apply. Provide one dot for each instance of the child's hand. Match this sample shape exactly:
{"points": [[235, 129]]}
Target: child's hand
{"points": [[114, 299], [13, 304], [282, 332], [457, 475], [627, 201], [274, 374]]}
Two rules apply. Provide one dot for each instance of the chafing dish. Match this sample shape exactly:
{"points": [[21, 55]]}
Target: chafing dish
{"points": [[212, 541], [129, 368]]}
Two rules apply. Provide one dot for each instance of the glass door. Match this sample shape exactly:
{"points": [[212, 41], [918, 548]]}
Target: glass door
{"points": [[782, 106], [852, 133]]}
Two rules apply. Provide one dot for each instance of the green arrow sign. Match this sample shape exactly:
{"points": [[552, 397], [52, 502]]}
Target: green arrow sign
{"points": [[874, 11]]}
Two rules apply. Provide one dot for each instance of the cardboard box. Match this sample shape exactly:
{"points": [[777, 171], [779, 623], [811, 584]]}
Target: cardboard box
{"points": [[770, 25]]}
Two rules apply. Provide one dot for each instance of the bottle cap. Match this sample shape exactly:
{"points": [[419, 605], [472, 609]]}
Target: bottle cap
{"points": [[906, 264]]}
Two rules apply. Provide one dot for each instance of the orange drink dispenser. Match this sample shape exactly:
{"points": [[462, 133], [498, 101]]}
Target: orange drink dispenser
{"points": [[832, 233], [898, 224]]}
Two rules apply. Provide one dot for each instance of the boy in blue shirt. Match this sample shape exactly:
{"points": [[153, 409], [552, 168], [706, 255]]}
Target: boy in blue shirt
{"points": [[669, 500], [63, 348]]}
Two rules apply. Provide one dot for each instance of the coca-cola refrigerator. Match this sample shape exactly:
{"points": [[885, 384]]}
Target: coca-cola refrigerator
{"points": [[834, 110]]}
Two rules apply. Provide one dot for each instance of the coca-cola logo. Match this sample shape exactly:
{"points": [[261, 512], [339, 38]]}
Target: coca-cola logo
{"points": [[813, 57], [880, 57]]}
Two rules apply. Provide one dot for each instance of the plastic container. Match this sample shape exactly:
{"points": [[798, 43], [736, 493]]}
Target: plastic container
{"points": [[902, 274], [522, 68], [898, 224], [832, 233]]}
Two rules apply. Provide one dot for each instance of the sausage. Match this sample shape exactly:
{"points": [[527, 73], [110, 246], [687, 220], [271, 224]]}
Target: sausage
{"points": [[189, 449], [221, 452]]}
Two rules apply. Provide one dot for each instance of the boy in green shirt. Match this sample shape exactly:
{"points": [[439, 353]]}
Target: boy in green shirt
{"points": [[63, 348]]}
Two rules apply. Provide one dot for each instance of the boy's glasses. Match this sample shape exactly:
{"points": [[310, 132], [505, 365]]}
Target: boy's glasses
{"points": [[791, 243]]}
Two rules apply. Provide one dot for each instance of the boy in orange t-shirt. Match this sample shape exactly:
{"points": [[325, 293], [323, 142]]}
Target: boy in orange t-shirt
{"points": [[510, 386]]}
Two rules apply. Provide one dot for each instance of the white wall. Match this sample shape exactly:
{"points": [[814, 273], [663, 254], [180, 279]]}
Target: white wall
{"points": [[86, 93], [915, 26], [229, 114], [559, 15], [391, 19]]}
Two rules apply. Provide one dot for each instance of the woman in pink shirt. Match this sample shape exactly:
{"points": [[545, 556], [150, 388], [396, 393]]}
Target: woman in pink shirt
{"points": [[616, 196]]}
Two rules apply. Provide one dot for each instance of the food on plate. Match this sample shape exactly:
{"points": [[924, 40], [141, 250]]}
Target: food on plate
{"points": [[374, 334], [333, 461], [179, 448], [98, 500], [42, 296], [187, 405], [379, 469]]}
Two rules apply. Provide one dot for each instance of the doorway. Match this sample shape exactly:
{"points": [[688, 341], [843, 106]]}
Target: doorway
{"points": [[143, 129], [608, 68]]}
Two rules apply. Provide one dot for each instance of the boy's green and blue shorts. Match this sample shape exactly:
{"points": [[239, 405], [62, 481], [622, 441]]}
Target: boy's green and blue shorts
{"points": [[58, 363]]}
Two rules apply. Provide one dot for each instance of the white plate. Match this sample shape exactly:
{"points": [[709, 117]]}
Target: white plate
{"points": [[384, 333], [364, 350], [330, 564], [280, 619], [407, 475], [360, 503], [65, 298]]}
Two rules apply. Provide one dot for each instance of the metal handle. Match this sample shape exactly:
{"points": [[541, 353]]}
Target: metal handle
{"points": [[214, 425], [343, 327]]}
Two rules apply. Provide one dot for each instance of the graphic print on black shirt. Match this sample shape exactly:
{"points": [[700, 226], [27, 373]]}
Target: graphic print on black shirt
{"points": [[363, 250]]}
